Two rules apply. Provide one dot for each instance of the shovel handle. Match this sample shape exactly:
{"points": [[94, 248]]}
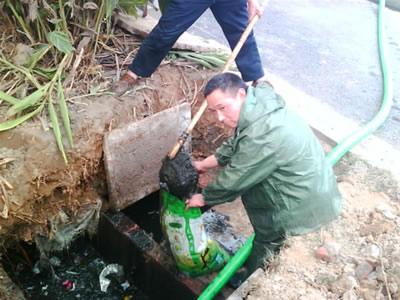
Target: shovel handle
{"points": [[203, 106]]}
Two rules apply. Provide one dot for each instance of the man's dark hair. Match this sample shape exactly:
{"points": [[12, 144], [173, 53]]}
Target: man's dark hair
{"points": [[226, 82]]}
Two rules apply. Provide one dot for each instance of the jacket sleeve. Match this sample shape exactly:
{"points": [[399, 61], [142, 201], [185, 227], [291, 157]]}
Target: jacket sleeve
{"points": [[253, 161], [225, 152]]}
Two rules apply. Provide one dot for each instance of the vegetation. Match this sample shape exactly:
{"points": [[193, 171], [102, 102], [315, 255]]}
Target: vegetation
{"points": [[41, 42]]}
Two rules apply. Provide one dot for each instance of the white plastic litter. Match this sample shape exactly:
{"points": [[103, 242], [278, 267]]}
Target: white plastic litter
{"points": [[109, 269]]}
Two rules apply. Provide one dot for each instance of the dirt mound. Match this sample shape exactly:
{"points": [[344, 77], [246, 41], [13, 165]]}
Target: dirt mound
{"points": [[42, 184]]}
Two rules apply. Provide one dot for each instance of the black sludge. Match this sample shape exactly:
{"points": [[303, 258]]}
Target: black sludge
{"points": [[178, 176]]}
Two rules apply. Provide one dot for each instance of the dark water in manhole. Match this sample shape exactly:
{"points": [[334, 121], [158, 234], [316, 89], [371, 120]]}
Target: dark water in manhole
{"points": [[76, 270], [146, 213], [76, 274]]}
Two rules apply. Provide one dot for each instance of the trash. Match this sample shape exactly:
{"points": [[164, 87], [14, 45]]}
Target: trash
{"points": [[44, 287], [386, 210], [55, 261], [328, 252], [125, 285], [109, 269], [363, 269], [36, 269], [68, 285]]}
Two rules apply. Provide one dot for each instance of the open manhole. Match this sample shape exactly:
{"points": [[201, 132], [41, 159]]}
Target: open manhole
{"points": [[132, 239]]}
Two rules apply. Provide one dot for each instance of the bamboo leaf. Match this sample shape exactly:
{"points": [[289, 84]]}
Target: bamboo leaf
{"points": [[28, 101], [21, 69], [129, 6], [39, 53], [56, 129], [13, 123], [61, 41], [8, 98], [110, 6], [64, 112]]}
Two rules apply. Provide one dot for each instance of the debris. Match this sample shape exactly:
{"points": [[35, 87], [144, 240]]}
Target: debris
{"points": [[377, 228], [344, 284], [125, 285], [372, 251], [350, 295], [55, 261], [109, 269], [68, 285], [386, 210], [363, 270], [22, 55], [36, 269], [328, 252], [322, 254]]}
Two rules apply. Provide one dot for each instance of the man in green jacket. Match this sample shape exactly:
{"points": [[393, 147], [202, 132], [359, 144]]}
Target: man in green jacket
{"points": [[273, 162]]}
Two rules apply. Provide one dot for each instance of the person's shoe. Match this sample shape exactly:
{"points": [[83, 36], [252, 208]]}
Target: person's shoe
{"points": [[238, 278], [123, 85]]}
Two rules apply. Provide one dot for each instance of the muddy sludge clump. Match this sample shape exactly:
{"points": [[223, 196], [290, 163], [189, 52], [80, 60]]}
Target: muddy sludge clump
{"points": [[178, 176]]}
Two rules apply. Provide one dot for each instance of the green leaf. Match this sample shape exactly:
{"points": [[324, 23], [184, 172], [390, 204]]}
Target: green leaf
{"points": [[8, 98], [61, 41], [13, 123], [110, 6], [56, 130], [64, 112], [129, 6], [28, 101], [39, 53]]}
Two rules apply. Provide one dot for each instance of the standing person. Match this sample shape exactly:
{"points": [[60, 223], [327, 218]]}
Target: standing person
{"points": [[273, 161], [232, 16]]}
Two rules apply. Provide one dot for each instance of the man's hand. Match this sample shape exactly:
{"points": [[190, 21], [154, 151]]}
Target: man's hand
{"points": [[204, 165], [204, 180], [199, 166], [254, 8], [197, 200]]}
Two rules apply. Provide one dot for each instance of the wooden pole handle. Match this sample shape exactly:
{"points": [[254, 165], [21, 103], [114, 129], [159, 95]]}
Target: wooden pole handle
{"points": [[203, 106]]}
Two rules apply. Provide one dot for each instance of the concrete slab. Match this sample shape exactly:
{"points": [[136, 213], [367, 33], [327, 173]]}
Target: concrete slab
{"points": [[133, 154]]}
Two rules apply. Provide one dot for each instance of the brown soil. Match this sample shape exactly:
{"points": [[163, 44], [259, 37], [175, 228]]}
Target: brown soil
{"points": [[43, 185]]}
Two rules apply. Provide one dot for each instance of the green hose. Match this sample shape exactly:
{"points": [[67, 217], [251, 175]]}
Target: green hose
{"points": [[333, 157]]}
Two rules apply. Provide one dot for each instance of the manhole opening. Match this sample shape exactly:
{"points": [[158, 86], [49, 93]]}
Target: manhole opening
{"points": [[69, 274], [131, 238], [146, 213]]}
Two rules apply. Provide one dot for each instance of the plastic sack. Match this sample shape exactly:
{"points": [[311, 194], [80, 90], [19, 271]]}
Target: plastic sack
{"points": [[195, 254]]}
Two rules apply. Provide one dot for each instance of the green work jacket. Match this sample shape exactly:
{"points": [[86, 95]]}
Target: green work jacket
{"points": [[277, 166]]}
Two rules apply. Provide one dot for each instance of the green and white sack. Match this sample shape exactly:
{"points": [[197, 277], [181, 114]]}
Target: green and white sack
{"points": [[195, 254]]}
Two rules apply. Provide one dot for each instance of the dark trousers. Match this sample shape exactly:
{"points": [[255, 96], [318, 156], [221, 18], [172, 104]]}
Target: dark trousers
{"points": [[231, 15]]}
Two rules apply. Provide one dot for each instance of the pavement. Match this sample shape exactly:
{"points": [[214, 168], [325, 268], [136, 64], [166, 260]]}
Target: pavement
{"points": [[327, 51]]}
